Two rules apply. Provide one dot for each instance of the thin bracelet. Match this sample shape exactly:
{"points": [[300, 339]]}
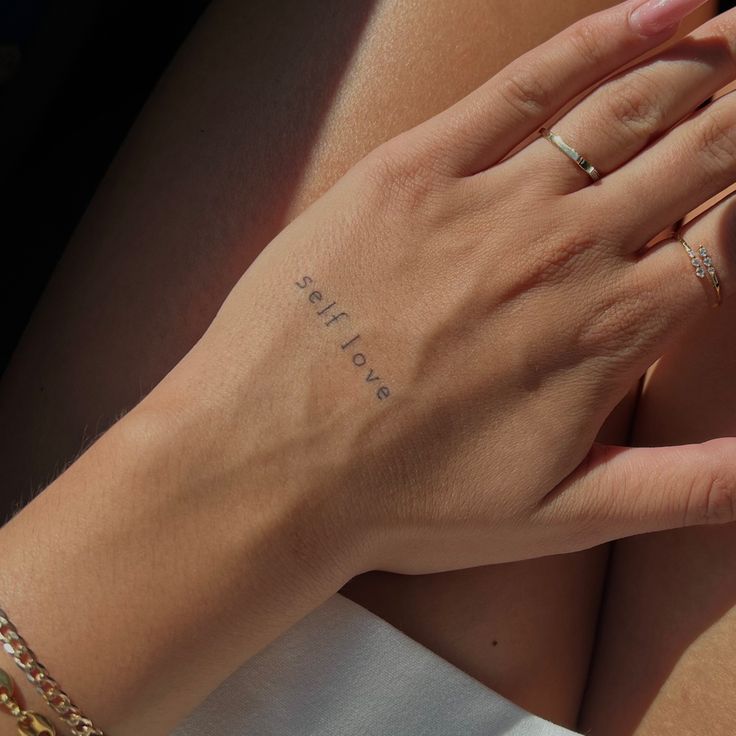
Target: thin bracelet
{"points": [[39, 677], [29, 722]]}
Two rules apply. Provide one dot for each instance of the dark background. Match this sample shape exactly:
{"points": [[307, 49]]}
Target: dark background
{"points": [[73, 76]]}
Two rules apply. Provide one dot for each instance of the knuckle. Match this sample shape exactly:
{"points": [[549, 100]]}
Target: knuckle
{"points": [[717, 141], [400, 175], [585, 38], [720, 500], [634, 104], [712, 500], [525, 90], [391, 160], [527, 86]]}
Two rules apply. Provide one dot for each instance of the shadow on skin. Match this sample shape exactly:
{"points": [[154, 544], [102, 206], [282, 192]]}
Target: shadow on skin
{"points": [[205, 179], [665, 645]]}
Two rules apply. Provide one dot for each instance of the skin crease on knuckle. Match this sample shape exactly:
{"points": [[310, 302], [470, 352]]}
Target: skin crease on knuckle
{"points": [[585, 38], [402, 177], [715, 137], [526, 90], [635, 104], [712, 499]]}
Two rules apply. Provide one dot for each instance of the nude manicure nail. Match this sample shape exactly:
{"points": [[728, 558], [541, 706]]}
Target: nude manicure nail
{"points": [[654, 16]]}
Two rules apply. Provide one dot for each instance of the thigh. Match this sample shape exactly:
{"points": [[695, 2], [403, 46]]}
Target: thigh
{"points": [[666, 656], [666, 659], [263, 108]]}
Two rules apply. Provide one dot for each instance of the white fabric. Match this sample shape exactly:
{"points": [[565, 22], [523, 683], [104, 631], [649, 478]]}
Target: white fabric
{"points": [[342, 671]]}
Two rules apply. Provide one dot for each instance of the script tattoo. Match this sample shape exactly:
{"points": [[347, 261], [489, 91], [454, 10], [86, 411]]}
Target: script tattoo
{"points": [[331, 316]]}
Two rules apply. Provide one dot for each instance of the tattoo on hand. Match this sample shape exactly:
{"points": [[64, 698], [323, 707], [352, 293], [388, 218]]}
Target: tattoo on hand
{"points": [[332, 316]]}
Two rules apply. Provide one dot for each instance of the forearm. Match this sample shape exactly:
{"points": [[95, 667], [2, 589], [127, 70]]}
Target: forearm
{"points": [[141, 581]]}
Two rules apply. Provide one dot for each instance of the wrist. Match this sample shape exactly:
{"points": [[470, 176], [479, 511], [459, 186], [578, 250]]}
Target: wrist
{"points": [[259, 458], [150, 555]]}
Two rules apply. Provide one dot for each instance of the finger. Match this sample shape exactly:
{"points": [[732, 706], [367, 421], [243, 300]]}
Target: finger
{"points": [[684, 290], [693, 162], [622, 116], [621, 491], [484, 126]]}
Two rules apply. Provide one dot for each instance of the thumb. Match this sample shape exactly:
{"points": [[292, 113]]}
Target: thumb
{"points": [[620, 491]]}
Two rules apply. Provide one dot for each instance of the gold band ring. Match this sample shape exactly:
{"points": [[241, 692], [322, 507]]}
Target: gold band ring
{"points": [[570, 152], [703, 264]]}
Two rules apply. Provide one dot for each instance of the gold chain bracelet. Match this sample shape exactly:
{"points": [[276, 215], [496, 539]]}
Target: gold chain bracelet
{"points": [[39, 677], [29, 723]]}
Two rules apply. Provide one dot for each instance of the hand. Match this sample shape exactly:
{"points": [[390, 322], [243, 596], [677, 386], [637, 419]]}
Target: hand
{"points": [[421, 361]]}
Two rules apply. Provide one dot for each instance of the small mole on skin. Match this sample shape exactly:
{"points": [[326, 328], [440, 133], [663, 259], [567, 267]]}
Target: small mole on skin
{"points": [[495, 642]]}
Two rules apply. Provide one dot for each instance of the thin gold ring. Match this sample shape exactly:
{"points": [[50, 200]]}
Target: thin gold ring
{"points": [[570, 152], [703, 264]]}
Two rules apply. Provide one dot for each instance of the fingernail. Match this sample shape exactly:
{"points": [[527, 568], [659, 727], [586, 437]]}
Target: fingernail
{"points": [[654, 16]]}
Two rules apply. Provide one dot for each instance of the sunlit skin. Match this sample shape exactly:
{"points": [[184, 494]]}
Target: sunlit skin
{"points": [[475, 618]]}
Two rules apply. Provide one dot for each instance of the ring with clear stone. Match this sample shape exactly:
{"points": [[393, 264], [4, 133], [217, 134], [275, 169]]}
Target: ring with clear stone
{"points": [[703, 265]]}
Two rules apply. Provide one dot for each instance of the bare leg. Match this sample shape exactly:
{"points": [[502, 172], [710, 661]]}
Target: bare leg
{"points": [[666, 659], [237, 139]]}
